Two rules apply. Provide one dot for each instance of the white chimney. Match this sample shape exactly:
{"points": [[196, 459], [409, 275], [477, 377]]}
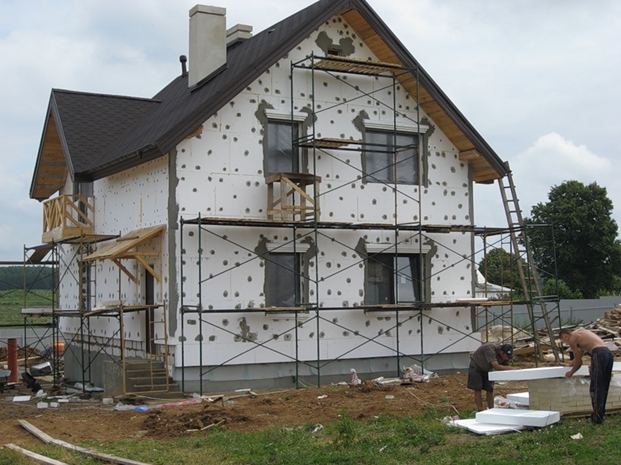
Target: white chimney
{"points": [[238, 33], [207, 41]]}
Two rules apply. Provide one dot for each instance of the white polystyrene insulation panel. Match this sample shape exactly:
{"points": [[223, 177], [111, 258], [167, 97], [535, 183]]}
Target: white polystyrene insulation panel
{"points": [[503, 416], [484, 428]]}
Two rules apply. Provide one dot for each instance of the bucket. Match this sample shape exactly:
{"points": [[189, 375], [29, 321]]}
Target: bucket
{"points": [[59, 348]]}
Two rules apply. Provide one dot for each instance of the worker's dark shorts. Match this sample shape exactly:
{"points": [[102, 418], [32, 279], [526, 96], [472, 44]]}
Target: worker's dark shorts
{"points": [[479, 380]]}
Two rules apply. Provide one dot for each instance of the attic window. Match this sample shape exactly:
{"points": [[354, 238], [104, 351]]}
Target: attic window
{"points": [[335, 51]]}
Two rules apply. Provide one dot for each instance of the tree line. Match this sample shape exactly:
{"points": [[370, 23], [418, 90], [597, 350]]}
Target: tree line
{"points": [[29, 277], [574, 243]]}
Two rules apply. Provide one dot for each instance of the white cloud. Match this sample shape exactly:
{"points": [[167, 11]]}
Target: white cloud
{"points": [[516, 70], [550, 161], [554, 159]]}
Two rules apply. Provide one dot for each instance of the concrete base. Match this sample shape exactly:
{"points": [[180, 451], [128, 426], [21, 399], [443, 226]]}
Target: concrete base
{"points": [[106, 372], [284, 375], [86, 367], [569, 395], [113, 378]]}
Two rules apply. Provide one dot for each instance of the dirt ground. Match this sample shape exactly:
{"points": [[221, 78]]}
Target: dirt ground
{"points": [[86, 419]]}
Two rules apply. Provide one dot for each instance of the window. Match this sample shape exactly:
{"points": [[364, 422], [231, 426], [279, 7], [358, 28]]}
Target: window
{"points": [[282, 279], [393, 279], [85, 191], [282, 157], [391, 157]]}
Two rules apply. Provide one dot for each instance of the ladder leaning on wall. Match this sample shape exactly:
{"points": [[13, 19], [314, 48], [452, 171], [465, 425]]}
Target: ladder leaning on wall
{"points": [[531, 286]]}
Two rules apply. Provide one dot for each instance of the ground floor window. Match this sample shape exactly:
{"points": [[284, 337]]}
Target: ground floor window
{"points": [[283, 280], [392, 279]]}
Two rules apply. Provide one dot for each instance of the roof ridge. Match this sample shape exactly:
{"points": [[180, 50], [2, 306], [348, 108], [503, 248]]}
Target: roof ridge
{"points": [[99, 94]]}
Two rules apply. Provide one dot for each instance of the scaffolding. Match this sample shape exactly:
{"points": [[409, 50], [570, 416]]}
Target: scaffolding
{"points": [[38, 326], [298, 211], [294, 203], [71, 239]]}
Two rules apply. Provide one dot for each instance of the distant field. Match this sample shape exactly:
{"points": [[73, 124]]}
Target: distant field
{"points": [[12, 302]]}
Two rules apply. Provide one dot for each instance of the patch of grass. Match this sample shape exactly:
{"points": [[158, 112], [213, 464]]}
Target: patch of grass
{"points": [[12, 302], [345, 430], [387, 439]]}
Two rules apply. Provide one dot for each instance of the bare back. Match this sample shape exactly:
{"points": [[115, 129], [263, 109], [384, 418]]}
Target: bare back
{"points": [[585, 340]]}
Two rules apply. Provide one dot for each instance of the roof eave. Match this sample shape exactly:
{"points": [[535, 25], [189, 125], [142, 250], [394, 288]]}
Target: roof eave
{"points": [[52, 113], [432, 88], [170, 139], [131, 160]]}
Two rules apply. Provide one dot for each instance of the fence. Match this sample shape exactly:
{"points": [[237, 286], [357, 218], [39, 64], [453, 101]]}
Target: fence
{"points": [[571, 311]]}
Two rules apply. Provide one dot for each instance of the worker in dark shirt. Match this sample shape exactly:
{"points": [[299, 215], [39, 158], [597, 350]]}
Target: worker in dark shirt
{"points": [[490, 356]]}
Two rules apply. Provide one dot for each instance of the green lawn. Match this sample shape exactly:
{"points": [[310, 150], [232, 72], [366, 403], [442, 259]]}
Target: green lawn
{"points": [[12, 302], [385, 440]]}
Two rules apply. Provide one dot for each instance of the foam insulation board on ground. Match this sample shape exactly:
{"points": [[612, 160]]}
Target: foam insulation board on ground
{"points": [[472, 425], [510, 417]]}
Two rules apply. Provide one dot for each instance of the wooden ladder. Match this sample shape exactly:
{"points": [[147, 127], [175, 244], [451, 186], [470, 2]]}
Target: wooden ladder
{"points": [[531, 286]]}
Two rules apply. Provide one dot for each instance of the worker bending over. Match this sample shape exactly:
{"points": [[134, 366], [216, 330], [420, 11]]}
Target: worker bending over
{"points": [[490, 356]]}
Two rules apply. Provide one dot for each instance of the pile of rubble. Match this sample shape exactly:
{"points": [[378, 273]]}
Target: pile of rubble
{"points": [[607, 327]]}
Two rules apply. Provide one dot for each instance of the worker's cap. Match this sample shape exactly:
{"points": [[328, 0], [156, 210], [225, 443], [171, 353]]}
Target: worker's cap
{"points": [[507, 349]]}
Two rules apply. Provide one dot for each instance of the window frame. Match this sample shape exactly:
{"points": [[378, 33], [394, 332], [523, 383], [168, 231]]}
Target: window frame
{"points": [[408, 248], [388, 279], [293, 122], [383, 171], [276, 274], [278, 151]]}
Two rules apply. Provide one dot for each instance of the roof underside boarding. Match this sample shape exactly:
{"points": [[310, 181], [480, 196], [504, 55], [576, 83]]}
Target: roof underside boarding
{"points": [[96, 142], [78, 128]]}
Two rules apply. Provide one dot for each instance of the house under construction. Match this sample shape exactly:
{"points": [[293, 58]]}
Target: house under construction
{"points": [[295, 204]]}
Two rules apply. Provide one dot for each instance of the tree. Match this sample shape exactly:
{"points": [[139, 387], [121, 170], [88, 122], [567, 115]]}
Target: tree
{"points": [[500, 267], [32, 277], [583, 238], [559, 288]]}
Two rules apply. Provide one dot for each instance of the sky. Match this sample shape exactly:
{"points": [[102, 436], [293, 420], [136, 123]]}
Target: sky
{"points": [[538, 79]]}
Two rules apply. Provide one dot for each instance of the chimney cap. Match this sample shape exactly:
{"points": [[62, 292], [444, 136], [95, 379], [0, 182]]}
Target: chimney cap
{"points": [[214, 10], [238, 33]]}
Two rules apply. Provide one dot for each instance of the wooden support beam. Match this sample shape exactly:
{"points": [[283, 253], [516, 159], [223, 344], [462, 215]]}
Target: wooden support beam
{"points": [[125, 270], [34, 456], [50, 440]]}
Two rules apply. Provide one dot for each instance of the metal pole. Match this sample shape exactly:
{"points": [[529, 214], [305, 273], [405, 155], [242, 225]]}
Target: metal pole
{"points": [[200, 305], [182, 312]]}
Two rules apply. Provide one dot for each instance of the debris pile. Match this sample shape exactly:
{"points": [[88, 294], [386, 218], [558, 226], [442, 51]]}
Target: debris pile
{"points": [[608, 327]]}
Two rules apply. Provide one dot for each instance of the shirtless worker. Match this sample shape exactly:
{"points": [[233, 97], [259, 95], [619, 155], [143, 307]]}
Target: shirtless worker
{"points": [[488, 357], [584, 342]]}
